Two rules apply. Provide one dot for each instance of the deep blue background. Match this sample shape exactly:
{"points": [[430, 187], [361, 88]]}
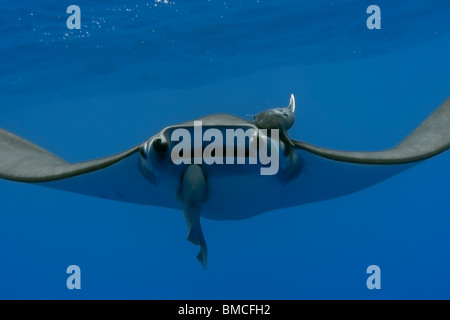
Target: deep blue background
{"points": [[135, 67]]}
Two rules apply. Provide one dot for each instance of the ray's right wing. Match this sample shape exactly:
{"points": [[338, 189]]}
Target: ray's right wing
{"points": [[429, 139]]}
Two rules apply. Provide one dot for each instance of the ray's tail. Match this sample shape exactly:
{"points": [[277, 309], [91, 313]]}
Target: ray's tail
{"points": [[193, 192]]}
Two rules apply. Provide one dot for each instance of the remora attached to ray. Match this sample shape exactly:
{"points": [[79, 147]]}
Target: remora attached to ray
{"points": [[145, 174]]}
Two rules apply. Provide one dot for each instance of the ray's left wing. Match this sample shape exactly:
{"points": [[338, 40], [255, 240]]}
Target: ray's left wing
{"points": [[21, 160], [117, 177]]}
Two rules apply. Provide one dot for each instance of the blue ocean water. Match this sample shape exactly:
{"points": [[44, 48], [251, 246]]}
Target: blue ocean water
{"points": [[135, 67]]}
